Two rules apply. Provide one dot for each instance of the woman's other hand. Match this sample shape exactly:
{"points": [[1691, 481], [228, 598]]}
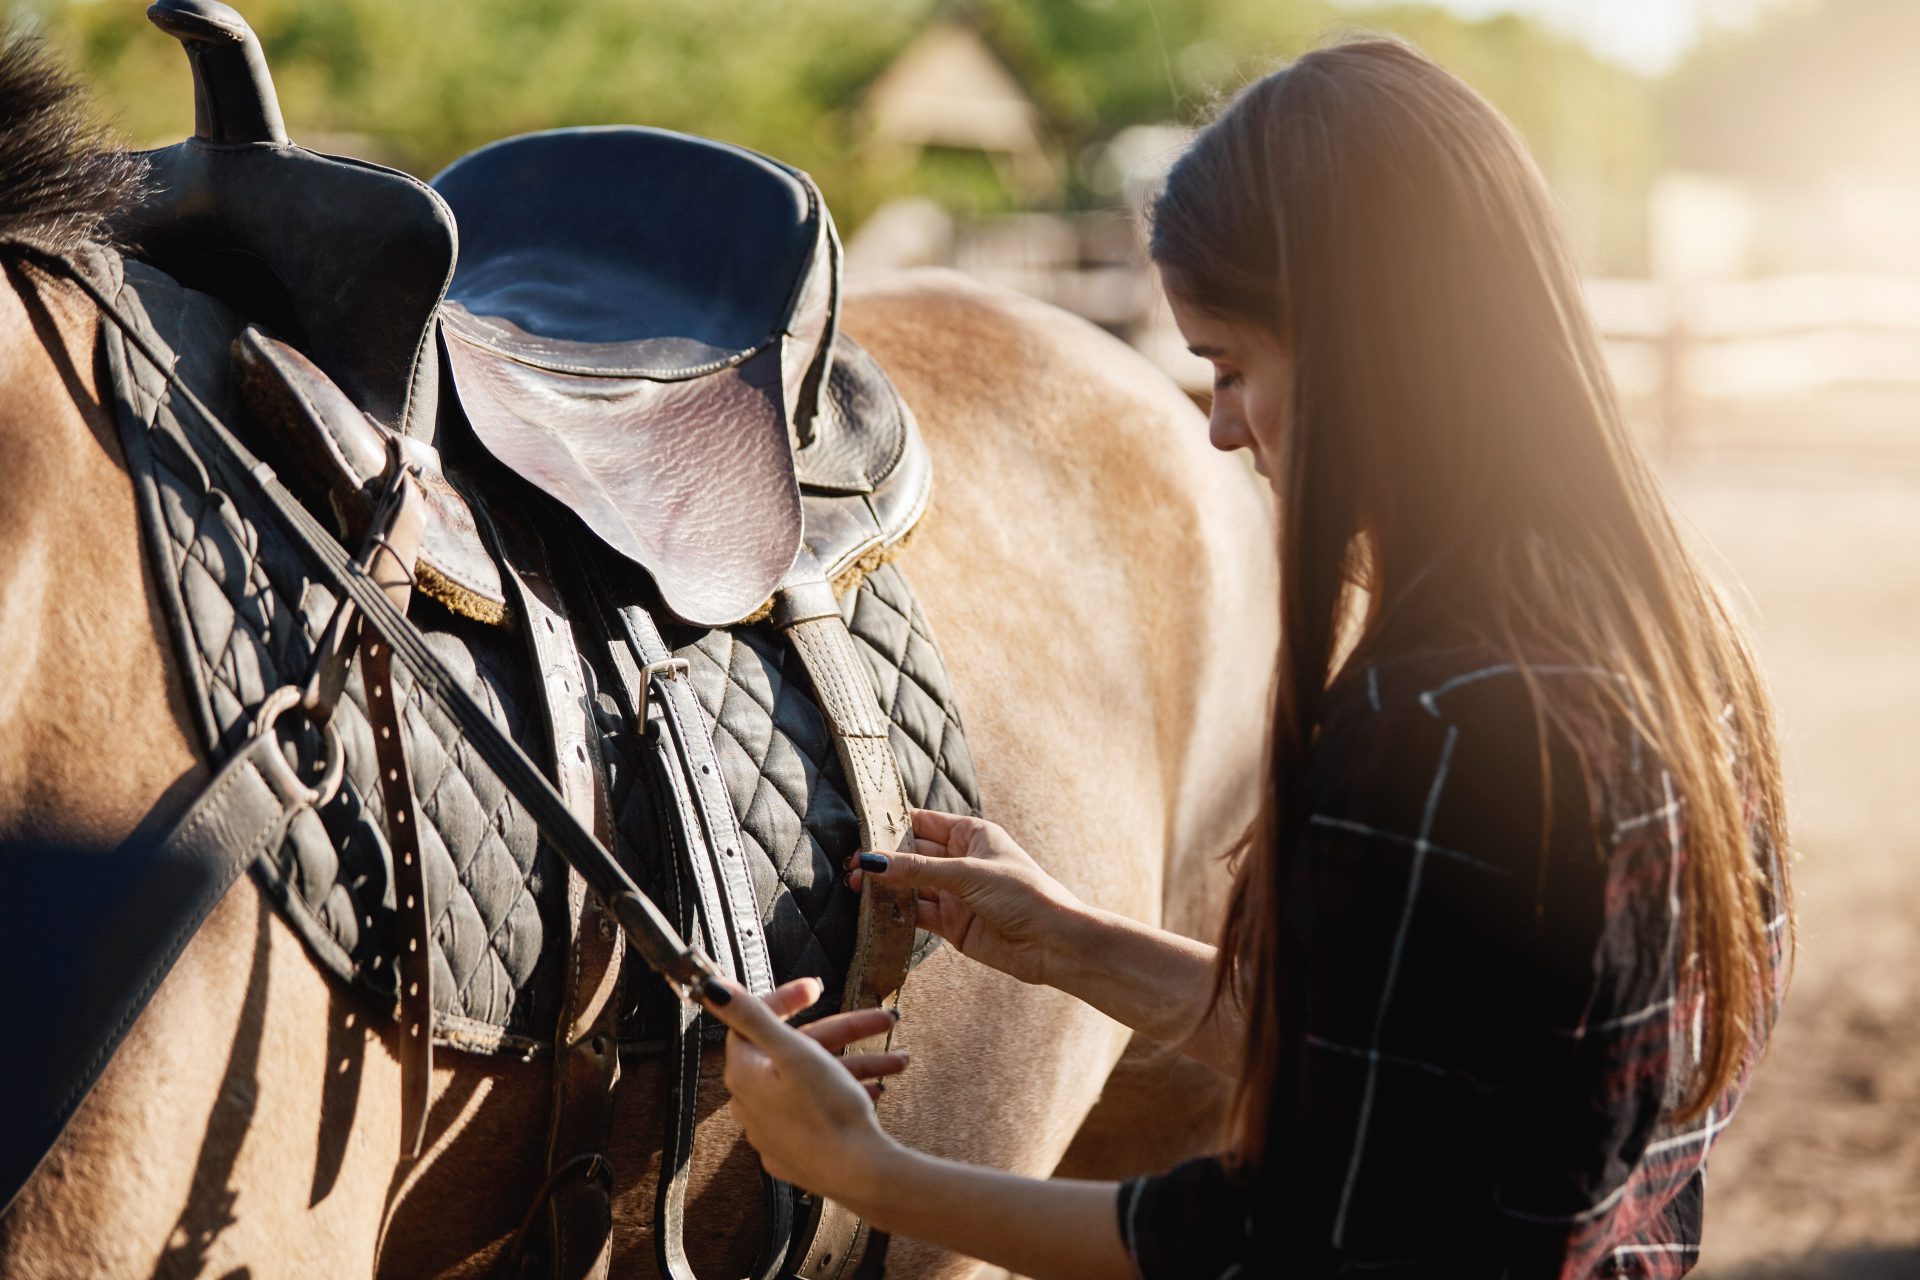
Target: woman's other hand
{"points": [[806, 1111], [979, 891]]}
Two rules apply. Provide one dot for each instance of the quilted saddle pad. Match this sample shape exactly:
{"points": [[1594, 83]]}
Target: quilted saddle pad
{"points": [[245, 614]]}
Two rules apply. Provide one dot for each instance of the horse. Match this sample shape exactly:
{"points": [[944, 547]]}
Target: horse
{"points": [[1101, 582]]}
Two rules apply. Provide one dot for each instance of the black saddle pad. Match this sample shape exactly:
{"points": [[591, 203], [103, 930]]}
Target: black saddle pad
{"points": [[245, 614]]}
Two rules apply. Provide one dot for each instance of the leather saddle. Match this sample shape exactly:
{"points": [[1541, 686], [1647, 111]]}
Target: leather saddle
{"points": [[642, 326], [640, 323]]}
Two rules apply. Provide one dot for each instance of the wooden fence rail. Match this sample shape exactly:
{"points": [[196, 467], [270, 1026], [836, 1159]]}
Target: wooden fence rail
{"points": [[1670, 344]]}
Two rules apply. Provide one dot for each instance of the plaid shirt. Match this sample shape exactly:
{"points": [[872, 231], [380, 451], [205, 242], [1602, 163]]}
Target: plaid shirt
{"points": [[1487, 1033]]}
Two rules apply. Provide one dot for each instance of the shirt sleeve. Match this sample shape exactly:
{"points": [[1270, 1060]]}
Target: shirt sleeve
{"points": [[1194, 1222]]}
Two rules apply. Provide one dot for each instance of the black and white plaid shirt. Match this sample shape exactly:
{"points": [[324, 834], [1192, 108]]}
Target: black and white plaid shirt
{"points": [[1486, 1032]]}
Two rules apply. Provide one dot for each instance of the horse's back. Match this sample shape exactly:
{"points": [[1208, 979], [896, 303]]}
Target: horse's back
{"points": [[1100, 575], [1102, 581]]}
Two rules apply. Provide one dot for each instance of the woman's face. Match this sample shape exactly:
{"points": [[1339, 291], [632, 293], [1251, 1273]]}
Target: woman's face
{"points": [[1252, 381]]}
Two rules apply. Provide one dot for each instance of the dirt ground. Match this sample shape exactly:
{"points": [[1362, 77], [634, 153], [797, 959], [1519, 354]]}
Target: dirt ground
{"points": [[1814, 507]]}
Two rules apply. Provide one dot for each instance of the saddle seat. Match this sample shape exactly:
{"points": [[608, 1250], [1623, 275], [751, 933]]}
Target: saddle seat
{"points": [[639, 324]]}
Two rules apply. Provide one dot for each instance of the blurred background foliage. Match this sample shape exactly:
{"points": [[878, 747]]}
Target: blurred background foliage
{"points": [[417, 83]]}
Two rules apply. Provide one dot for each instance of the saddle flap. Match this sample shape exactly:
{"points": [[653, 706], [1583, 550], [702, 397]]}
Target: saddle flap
{"points": [[338, 456], [684, 478]]}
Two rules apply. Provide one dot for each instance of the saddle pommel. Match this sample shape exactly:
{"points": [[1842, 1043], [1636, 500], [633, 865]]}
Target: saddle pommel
{"points": [[233, 97]]}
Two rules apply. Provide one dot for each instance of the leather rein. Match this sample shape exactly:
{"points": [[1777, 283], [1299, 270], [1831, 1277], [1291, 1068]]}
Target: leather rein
{"points": [[683, 965]]}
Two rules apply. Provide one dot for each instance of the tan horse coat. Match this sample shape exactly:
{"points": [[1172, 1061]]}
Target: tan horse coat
{"points": [[1103, 586]]}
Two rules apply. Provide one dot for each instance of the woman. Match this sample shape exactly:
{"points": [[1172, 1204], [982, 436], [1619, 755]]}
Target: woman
{"points": [[1507, 940]]}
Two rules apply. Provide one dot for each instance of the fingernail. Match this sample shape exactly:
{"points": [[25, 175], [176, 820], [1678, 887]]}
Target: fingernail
{"points": [[873, 862], [894, 1014], [852, 860], [879, 1086], [712, 992]]}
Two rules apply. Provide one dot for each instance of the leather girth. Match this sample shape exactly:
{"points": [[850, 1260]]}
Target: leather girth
{"points": [[716, 895], [805, 609]]}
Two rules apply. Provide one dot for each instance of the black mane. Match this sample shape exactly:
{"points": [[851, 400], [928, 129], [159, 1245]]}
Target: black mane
{"points": [[61, 175]]}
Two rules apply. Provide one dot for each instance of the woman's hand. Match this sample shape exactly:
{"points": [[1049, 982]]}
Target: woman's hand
{"points": [[979, 891], [809, 1115], [807, 1112]]}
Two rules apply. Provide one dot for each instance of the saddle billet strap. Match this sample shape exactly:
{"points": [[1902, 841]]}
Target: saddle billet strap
{"points": [[586, 1043], [415, 964], [679, 743], [392, 545], [719, 824], [646, 928], [681, 850], [664, 775], [883, 945], [883, 949]]}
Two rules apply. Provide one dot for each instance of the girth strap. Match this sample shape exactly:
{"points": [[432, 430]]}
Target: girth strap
{"points": [[690, 790], [883, 946], [719, 826]]}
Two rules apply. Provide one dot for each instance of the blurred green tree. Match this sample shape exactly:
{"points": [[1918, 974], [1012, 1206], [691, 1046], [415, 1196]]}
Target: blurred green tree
{"points": [[418, 83]]}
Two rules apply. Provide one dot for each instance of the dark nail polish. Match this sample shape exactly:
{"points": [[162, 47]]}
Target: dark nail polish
{"points": [[876, 862], [713, 993], [894, 1014]]}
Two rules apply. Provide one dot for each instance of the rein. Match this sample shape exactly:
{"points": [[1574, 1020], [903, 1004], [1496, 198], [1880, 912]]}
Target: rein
{"points": [[682, 965]]}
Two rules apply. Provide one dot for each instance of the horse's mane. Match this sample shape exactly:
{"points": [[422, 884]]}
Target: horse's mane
{"points": [[61, 174]]}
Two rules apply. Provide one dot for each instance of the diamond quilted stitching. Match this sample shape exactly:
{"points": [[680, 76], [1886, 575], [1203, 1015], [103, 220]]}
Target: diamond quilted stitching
{"points": [[337, 877], [496, 895]]}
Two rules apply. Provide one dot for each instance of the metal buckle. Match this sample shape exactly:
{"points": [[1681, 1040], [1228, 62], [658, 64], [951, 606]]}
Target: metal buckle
{"points": [[666, 669], [287, 698], [327, 672]]}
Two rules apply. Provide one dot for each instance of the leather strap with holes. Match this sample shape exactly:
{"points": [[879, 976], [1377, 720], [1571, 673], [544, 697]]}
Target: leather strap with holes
{"points": [[714, 892], [586, 1064], [883, 947], [391, 550]]}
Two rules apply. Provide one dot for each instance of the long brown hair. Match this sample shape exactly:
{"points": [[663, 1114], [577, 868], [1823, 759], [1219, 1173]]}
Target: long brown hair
{"points": [[1453, 420]]}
